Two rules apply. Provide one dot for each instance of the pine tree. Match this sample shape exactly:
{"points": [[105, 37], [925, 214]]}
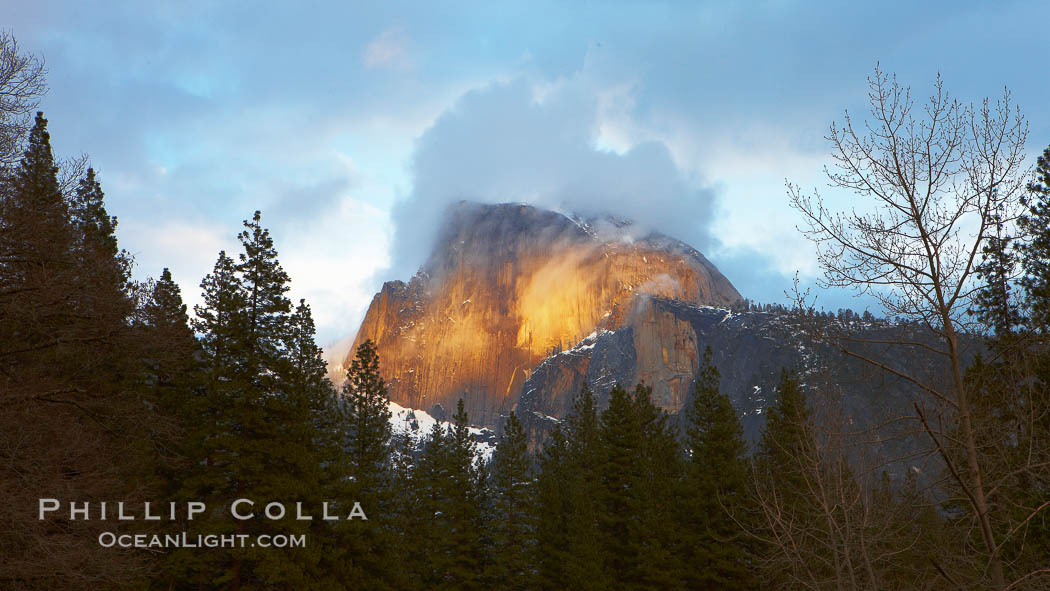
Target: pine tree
{"points": [[1010, 397], [171, 344], [89, 214], [553, 485], [994, 304], [310, 402], [220, 319], [38, 270], [426, 542], [1035, 224], [659, 566], [715, 489], [172, 376], [786, 466], [165, 308], [512, 517], [1012, 402], [581, 486], [35, 213], [784, 447], [74, 417], [621, 472], [407, 518], [169, 350], [910, 518], [640, 466], [96, 232], [267, 308], [277, 452], [306, 380], [450, 483], [367, 419], [364, 474], [464, 513], [263, 378], [213, 479], [1035, 396]]}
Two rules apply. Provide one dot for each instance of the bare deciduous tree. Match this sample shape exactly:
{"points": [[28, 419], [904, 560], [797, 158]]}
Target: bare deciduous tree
{"points": [[928, 183], [826, 519], [22, 83]]}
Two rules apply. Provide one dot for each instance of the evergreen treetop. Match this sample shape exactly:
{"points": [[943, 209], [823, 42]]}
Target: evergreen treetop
{"points": [[994, 304], [512, 511], [715, 489], [1035, 223], [784, 443], [367, 414]]}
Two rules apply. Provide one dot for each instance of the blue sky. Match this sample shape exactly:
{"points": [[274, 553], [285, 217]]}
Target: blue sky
{"points": [[351, 125]]}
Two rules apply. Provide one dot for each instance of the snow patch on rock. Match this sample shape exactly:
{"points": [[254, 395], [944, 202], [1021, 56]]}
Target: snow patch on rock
{"points": [[417, 424]]}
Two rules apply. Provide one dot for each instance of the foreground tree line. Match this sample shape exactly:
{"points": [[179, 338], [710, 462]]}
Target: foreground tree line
{"points": [[111, 392]]}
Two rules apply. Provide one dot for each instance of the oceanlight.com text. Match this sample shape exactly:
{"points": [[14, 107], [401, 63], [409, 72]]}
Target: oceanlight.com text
{"points": [[184, 540]]}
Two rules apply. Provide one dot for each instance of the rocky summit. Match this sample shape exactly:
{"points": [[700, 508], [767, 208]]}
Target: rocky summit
{"points": [[508, 286]]}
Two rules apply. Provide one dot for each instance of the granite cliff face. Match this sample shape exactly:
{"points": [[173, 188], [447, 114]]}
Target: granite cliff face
{"points": [[509, 286]]}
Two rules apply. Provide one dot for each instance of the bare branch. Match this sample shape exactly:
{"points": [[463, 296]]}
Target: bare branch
{"points": [[22, 83]]}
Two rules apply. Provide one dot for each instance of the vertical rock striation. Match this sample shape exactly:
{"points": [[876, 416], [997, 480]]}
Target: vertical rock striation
{"points": [[509, 286]]}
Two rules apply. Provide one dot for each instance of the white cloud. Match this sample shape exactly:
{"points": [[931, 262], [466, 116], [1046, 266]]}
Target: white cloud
{"points": [[519, 141], [332, 259], [388, 50], [189, 249]]}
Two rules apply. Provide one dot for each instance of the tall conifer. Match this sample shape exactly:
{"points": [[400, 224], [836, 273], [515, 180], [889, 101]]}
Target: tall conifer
{"points": [[994, 303], [364, 473], [1035, 222], [786, 465], [262, 381], [73, 419], [553, 555], [512, 505], [451, 483], [97, 241], [640, 466], [715, 488], [784, 446], [581, 487]]}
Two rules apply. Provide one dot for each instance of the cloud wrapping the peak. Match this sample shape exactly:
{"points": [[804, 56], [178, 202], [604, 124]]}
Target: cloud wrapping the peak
{"points": [[507, 142]]}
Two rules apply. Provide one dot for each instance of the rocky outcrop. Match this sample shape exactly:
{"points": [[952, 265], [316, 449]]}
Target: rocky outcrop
{"points": [[508, 286], [662, 343]]}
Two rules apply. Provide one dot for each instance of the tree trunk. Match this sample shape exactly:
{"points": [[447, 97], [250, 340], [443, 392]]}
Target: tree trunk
{"points": [[995, 567]]}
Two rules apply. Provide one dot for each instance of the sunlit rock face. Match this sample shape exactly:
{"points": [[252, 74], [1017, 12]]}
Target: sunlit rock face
{"points": [[509, 285]]}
